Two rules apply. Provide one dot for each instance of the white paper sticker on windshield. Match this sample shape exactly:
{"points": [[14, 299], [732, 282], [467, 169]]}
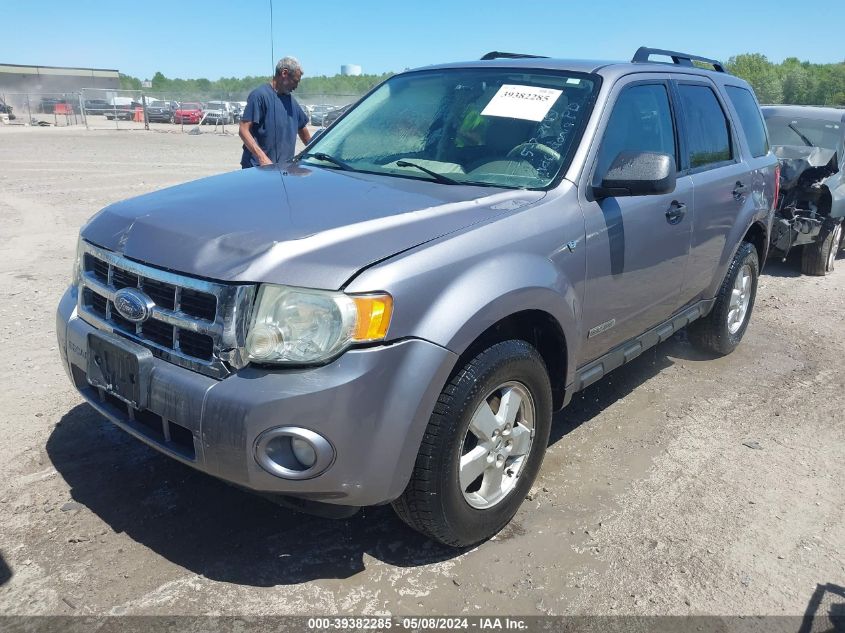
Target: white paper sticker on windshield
{"points": [[522, 102]]}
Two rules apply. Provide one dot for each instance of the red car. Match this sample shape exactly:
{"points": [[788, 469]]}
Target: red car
{"points": [[188, 113]]}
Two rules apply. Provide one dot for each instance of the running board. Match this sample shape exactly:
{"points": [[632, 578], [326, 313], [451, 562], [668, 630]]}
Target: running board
{"points": [[625, 353]]}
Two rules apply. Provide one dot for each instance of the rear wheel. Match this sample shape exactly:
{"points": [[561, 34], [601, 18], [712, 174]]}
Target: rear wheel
{"points": [[722, 330], [482, 448], [819, 257]]}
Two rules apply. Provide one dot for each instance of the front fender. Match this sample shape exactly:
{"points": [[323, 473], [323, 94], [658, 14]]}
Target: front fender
{"points": [[486, 294], [478, 294]]}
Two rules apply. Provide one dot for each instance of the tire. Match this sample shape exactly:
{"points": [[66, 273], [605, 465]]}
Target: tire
{"points": [[819, 257], [435, 502], [722, 330]]}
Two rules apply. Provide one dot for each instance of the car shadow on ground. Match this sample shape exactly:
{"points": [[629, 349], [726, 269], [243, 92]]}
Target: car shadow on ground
{"points": [[618, 384], [231, 535], [212, 528], [779, 268]]}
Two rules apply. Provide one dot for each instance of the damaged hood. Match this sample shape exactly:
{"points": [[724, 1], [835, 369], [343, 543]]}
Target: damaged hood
{"points": [[795, 160], [295, 225], [808, 169]]}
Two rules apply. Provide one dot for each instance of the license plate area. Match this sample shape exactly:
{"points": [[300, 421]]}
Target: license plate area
{"points": [[120, 367]]}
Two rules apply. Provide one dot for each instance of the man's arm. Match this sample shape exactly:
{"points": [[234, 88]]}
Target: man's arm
{"points": [[251, 144], [304, 135]]}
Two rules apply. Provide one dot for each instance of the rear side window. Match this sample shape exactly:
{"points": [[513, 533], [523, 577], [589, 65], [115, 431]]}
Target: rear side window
{"points": [[750, 118], [707, 134], [641, 121]]}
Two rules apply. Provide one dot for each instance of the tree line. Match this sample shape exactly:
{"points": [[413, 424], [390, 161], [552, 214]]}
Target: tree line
{"points": [[237, 89], [791, 81]]}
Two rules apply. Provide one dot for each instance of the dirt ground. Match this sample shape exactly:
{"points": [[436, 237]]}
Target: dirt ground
{"points": [[677, 485]]}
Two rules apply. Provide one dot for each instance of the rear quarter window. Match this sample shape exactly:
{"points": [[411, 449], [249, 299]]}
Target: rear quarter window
{"points": [[750, 118]]}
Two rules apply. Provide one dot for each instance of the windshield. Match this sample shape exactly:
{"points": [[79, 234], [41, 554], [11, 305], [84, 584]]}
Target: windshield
{"points": [[807, 132], [498, 127], [190, 106]]}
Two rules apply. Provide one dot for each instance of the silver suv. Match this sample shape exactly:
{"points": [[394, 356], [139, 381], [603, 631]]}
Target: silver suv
{"points": [[394, 316], [217, 113]]}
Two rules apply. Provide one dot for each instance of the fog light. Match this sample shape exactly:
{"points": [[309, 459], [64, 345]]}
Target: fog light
{"points": [[292, 452], [303, 451]]}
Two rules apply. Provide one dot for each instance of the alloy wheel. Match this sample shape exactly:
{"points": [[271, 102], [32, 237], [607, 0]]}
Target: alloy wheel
{"points": [[496, 445], [740, 299]]}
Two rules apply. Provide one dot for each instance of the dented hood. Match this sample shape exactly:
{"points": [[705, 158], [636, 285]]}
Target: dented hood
{"points": [[795, 160], [294, 225]]}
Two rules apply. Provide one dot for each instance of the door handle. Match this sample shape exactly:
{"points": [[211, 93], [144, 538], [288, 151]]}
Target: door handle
{"points": [[739, 190], [676, 212]]}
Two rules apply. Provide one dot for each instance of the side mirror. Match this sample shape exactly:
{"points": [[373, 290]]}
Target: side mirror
{"points": [[638, 174]]}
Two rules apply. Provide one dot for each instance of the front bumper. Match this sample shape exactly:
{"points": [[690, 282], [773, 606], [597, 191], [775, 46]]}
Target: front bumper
{"points": [[371, 404]]}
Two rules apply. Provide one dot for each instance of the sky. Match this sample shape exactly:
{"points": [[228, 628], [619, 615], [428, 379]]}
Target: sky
{"points": [[229, 38]]}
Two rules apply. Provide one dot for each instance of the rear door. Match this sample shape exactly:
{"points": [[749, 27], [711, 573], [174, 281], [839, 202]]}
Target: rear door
{"points": [[712, 160], [637, 247]]}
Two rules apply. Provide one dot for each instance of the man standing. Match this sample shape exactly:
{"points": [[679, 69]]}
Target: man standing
{"points": [[273, 119]]}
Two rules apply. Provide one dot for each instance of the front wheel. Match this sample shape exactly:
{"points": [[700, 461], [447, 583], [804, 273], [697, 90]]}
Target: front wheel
{"points": [[482, 448], [722, 330]]}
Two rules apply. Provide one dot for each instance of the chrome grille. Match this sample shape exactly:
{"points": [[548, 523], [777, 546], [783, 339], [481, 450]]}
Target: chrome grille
{"points": [[197, 324]]}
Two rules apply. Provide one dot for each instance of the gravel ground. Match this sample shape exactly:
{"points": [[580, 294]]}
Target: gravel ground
{"points": [[677, 485]]}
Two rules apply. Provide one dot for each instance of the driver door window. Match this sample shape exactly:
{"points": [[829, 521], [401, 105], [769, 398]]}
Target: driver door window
{"points": [[641, 121]]}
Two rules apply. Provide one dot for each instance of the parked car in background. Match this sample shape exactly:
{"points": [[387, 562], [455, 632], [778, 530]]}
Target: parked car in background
{"points": [[122, 108], [236, 109], [58, 105], [96, 106], [161, 111], [6, 109], [217, 112], [394, 316], [188, 113], [809, 142], [318, 114], [334, 115]]}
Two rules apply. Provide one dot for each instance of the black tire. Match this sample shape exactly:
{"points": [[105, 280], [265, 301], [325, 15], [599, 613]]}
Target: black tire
{"points": [[712, 333], [818, 258], [433, 502]]}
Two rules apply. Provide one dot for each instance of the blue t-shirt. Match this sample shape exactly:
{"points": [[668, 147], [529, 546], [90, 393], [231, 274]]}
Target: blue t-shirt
{"points": [[275, 119]]}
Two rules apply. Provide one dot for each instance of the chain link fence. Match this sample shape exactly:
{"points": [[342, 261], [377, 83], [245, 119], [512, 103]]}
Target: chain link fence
{"points": [[108, 109], [45, 108]]}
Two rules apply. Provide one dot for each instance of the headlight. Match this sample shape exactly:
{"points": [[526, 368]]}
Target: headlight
{"points": [[76, 275], [297, 326]]}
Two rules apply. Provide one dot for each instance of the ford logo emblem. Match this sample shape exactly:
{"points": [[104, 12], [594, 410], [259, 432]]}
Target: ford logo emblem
{"points": [[133, 305]]}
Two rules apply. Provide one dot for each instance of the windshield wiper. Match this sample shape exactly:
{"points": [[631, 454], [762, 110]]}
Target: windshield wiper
{"points": [[328, 159], [803, 138], [438, 177]]}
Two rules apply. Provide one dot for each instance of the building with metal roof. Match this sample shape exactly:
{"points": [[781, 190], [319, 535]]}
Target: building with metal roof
{"points": [[55, 79]]}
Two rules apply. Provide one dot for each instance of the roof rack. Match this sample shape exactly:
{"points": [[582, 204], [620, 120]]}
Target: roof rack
{"points": [[682, 59], [502, 55]]}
